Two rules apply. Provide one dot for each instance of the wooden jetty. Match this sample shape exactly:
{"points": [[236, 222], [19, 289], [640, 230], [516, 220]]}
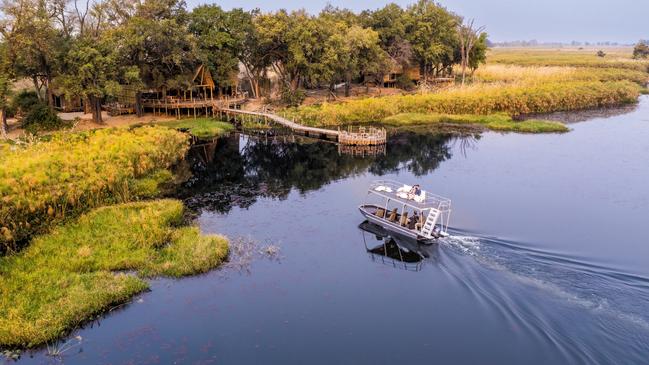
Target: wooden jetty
{"points": [[361, 136]]}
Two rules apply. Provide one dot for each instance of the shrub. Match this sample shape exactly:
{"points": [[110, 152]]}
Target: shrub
{"points": [[42, 118], [47, 182], [292, 98], [641, 50], [601, 53], [70, 274], [404, 82], [24, 101]]}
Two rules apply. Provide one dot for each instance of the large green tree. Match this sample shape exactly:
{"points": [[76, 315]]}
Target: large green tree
{"points": [[93, 73], [36, 44], [219, 36], [432, 32], [352, 52], [156, 41]]}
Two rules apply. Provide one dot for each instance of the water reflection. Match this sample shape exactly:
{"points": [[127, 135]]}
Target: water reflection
{"points": [[393, 250], [585, 115], [236, 170]]}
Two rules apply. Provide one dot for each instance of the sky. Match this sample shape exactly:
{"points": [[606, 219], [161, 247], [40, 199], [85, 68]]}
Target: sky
{"points": [[623, 21]]}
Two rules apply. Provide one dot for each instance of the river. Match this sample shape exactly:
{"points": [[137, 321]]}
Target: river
{"points": [[548, 261]]}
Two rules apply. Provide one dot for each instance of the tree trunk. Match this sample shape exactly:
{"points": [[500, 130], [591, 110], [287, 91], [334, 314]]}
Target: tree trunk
{"points": [[138, 105], [95, 104], [49, 92], [37, 86], [348, 87], [3, 123]]}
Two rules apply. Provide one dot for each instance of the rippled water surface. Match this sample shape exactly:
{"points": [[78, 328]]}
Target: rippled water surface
{"points": [[548, 261]]}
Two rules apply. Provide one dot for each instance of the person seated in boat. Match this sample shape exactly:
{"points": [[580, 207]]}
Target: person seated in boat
{"points": [[414, 191], [393, 216], [412, 222]]}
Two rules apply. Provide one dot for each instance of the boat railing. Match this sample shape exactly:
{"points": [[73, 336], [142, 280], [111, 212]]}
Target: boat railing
{"points": [[431, 200]]}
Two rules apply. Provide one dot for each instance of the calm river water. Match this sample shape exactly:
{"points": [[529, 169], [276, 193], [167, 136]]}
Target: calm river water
{"points": [[548, 262]]}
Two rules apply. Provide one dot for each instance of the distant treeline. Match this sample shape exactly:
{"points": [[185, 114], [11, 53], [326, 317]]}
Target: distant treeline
{"points": [[95, 52], [535, 43]]}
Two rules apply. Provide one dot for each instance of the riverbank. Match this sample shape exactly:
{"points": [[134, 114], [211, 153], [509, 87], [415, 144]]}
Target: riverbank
{"points": [[475, 99], [69, 252], [43, 183], [513, 83], [100, 260], [201, 127]]}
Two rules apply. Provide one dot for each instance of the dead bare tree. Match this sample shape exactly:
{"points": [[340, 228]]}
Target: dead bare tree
{"points": [[468, 37]]}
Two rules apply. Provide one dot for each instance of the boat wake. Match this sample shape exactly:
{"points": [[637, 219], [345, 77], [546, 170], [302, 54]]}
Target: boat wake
{"points": [[546, 293]]}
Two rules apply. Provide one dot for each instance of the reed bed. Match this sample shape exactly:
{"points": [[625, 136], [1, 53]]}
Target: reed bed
{"points": [[616, 58], [44, 183], [87, 266], [497, 122], [542, 74], [513, 99]]}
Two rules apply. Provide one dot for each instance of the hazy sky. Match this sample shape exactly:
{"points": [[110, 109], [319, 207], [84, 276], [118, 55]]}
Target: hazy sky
{"points": [[545, 20]]}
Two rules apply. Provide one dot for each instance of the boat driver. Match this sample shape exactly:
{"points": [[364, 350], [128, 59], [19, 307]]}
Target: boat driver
{"points": [[415, 190]]}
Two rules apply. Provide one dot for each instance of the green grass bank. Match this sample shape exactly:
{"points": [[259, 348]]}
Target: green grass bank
{"points": [[478, 100], [78, 270], [201, 127], [495, 122], [44, 183]]}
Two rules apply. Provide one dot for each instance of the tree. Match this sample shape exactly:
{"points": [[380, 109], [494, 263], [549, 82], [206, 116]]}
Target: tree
{"points": [[295, 45], [478, 54], [352, 52], [432, 32], [641, 50], [37, 46], [253, 54], [468, 36], [93, 70], [156, 41], [219, 40], [6, 81]]}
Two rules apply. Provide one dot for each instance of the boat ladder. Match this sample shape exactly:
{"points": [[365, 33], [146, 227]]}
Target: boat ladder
{"points": [[429, 225]]}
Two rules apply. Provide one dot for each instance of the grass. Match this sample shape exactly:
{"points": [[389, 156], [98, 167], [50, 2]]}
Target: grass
{"points": [[619, 58], [201, 127], [497, 122], [514, 82], [540, 74], [82, 268], [44, 183], [481, 99]]}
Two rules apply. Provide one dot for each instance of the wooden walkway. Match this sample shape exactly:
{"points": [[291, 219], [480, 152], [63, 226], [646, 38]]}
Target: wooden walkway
{"points": [[360, 137]]}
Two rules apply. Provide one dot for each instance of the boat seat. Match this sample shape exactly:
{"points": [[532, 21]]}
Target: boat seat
{"points": [[380, 212], [420, 223], [393, 215], [404, 219]]}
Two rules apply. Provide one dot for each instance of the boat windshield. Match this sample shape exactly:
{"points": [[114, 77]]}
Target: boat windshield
{"points": [[400, 192]]}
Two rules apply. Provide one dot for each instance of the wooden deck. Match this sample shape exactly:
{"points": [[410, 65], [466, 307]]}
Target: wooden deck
{"points": [[361, 136]]}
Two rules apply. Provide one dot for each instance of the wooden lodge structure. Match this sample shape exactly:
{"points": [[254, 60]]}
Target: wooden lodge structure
{"points": [[202, 98], [391, 79], [66, 104], [414, 74]]}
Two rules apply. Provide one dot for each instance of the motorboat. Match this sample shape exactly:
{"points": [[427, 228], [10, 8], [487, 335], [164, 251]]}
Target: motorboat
{"points": [[407, 210]]}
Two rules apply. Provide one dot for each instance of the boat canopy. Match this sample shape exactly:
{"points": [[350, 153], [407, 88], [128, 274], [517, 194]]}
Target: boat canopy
{"points": [[396, 191]]}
